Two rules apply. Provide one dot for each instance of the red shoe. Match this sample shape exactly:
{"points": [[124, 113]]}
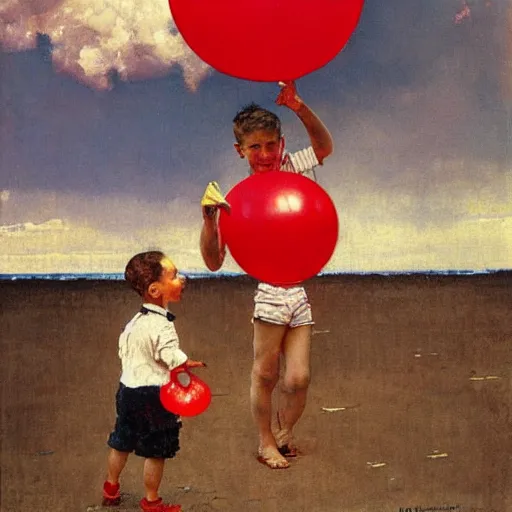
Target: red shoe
{"points": [[158, 506], [111, 494]]}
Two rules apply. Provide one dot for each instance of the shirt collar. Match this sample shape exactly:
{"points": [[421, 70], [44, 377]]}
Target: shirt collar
{"points": [[153, 308]]}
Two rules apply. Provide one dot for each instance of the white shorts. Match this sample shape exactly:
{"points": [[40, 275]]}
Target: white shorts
{"points": [[282, 306]]}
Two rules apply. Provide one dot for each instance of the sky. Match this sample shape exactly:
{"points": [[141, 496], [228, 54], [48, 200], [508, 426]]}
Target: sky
{"points": [[111, 128]]}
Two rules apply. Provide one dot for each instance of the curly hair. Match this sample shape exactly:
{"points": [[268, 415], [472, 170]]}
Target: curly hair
{"points": [[143, 269], [252, 117]]}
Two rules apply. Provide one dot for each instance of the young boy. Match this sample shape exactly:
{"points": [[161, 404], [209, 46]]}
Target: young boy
{"points": [[149, 350], [282, 316]]}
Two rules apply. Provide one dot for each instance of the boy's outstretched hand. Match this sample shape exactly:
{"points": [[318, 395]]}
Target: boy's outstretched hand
{"points": [[194, 364], [289, 96]]}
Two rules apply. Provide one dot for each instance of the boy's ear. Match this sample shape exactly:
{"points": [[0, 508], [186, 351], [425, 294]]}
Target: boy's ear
{"points": [[239, 150], [154, 290]]}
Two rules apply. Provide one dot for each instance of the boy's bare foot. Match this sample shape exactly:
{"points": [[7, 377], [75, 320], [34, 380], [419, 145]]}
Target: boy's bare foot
{"points": [[285, 444], [288, 451], [272, 458]]}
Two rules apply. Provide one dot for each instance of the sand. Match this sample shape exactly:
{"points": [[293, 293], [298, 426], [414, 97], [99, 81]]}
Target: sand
{"points": [[419, 369]]}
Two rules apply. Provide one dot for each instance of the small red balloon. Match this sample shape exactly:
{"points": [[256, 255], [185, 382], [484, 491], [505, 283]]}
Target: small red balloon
{"points": [[282, 228], [266, 40], [185, 399]]}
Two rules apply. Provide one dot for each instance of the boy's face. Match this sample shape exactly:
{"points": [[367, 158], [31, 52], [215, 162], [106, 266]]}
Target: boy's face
{"points": [[170, 285], [263, 149]]}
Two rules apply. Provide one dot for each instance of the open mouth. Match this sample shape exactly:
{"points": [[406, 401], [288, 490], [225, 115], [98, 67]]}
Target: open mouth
{"points": [[266, 167]]}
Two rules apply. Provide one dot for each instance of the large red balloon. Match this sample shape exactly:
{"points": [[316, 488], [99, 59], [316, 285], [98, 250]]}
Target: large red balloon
{"points": [[282, 229], [185, 399], [266, 40]]}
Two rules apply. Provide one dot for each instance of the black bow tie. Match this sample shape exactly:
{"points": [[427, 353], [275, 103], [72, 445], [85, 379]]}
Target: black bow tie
{"points": [[168, 314]]}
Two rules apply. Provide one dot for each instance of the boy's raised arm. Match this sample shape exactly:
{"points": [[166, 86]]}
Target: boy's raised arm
{"points": [[213, 250], [320, 137]]}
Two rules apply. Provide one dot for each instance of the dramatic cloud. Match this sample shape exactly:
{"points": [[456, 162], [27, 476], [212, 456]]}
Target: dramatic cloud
{"points": [[94, 40]]}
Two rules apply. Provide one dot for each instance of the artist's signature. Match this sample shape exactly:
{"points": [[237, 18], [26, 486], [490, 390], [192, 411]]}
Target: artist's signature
{"points": [[446, 508], [479, 509]]}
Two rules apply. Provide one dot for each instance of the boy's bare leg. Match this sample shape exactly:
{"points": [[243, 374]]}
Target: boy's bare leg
{"points": [[264, 377], [294, 384], [153, 473], [116, 461]]}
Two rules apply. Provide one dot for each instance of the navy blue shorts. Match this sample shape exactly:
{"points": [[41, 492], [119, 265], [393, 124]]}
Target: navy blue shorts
{"points": [[143, 425]]}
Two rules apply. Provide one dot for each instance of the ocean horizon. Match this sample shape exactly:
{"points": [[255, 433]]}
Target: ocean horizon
{"points": [[118, 276]]}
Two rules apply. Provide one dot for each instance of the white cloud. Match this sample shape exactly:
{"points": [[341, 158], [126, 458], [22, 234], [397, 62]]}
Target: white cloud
{"points": [[91, 38], [444, 222], [464, 245], [96, 234], [459, 226]]}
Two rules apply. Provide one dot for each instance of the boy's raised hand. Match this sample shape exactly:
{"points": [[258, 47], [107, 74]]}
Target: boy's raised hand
{"points": [[289, 96]]}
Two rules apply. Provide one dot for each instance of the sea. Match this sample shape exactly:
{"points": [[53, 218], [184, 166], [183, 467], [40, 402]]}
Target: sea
{"points": [[224, 275]]}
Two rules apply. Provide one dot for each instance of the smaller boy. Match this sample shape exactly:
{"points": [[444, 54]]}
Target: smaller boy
{"points": [[149, 350]]}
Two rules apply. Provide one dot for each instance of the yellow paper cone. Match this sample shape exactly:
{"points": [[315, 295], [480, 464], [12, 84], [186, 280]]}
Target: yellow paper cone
{"points": [[213, 196]]}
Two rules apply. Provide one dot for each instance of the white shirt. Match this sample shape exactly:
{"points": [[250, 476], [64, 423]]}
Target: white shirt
{"points": [[149, 349]]}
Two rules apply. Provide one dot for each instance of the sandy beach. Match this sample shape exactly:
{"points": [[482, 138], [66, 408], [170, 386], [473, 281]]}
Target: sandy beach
{"points": [[409, 404]]}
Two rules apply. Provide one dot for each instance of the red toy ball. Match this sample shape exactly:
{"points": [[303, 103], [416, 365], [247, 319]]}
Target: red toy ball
{"points": [[188, 398], [266, 40], [282, 228]]}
